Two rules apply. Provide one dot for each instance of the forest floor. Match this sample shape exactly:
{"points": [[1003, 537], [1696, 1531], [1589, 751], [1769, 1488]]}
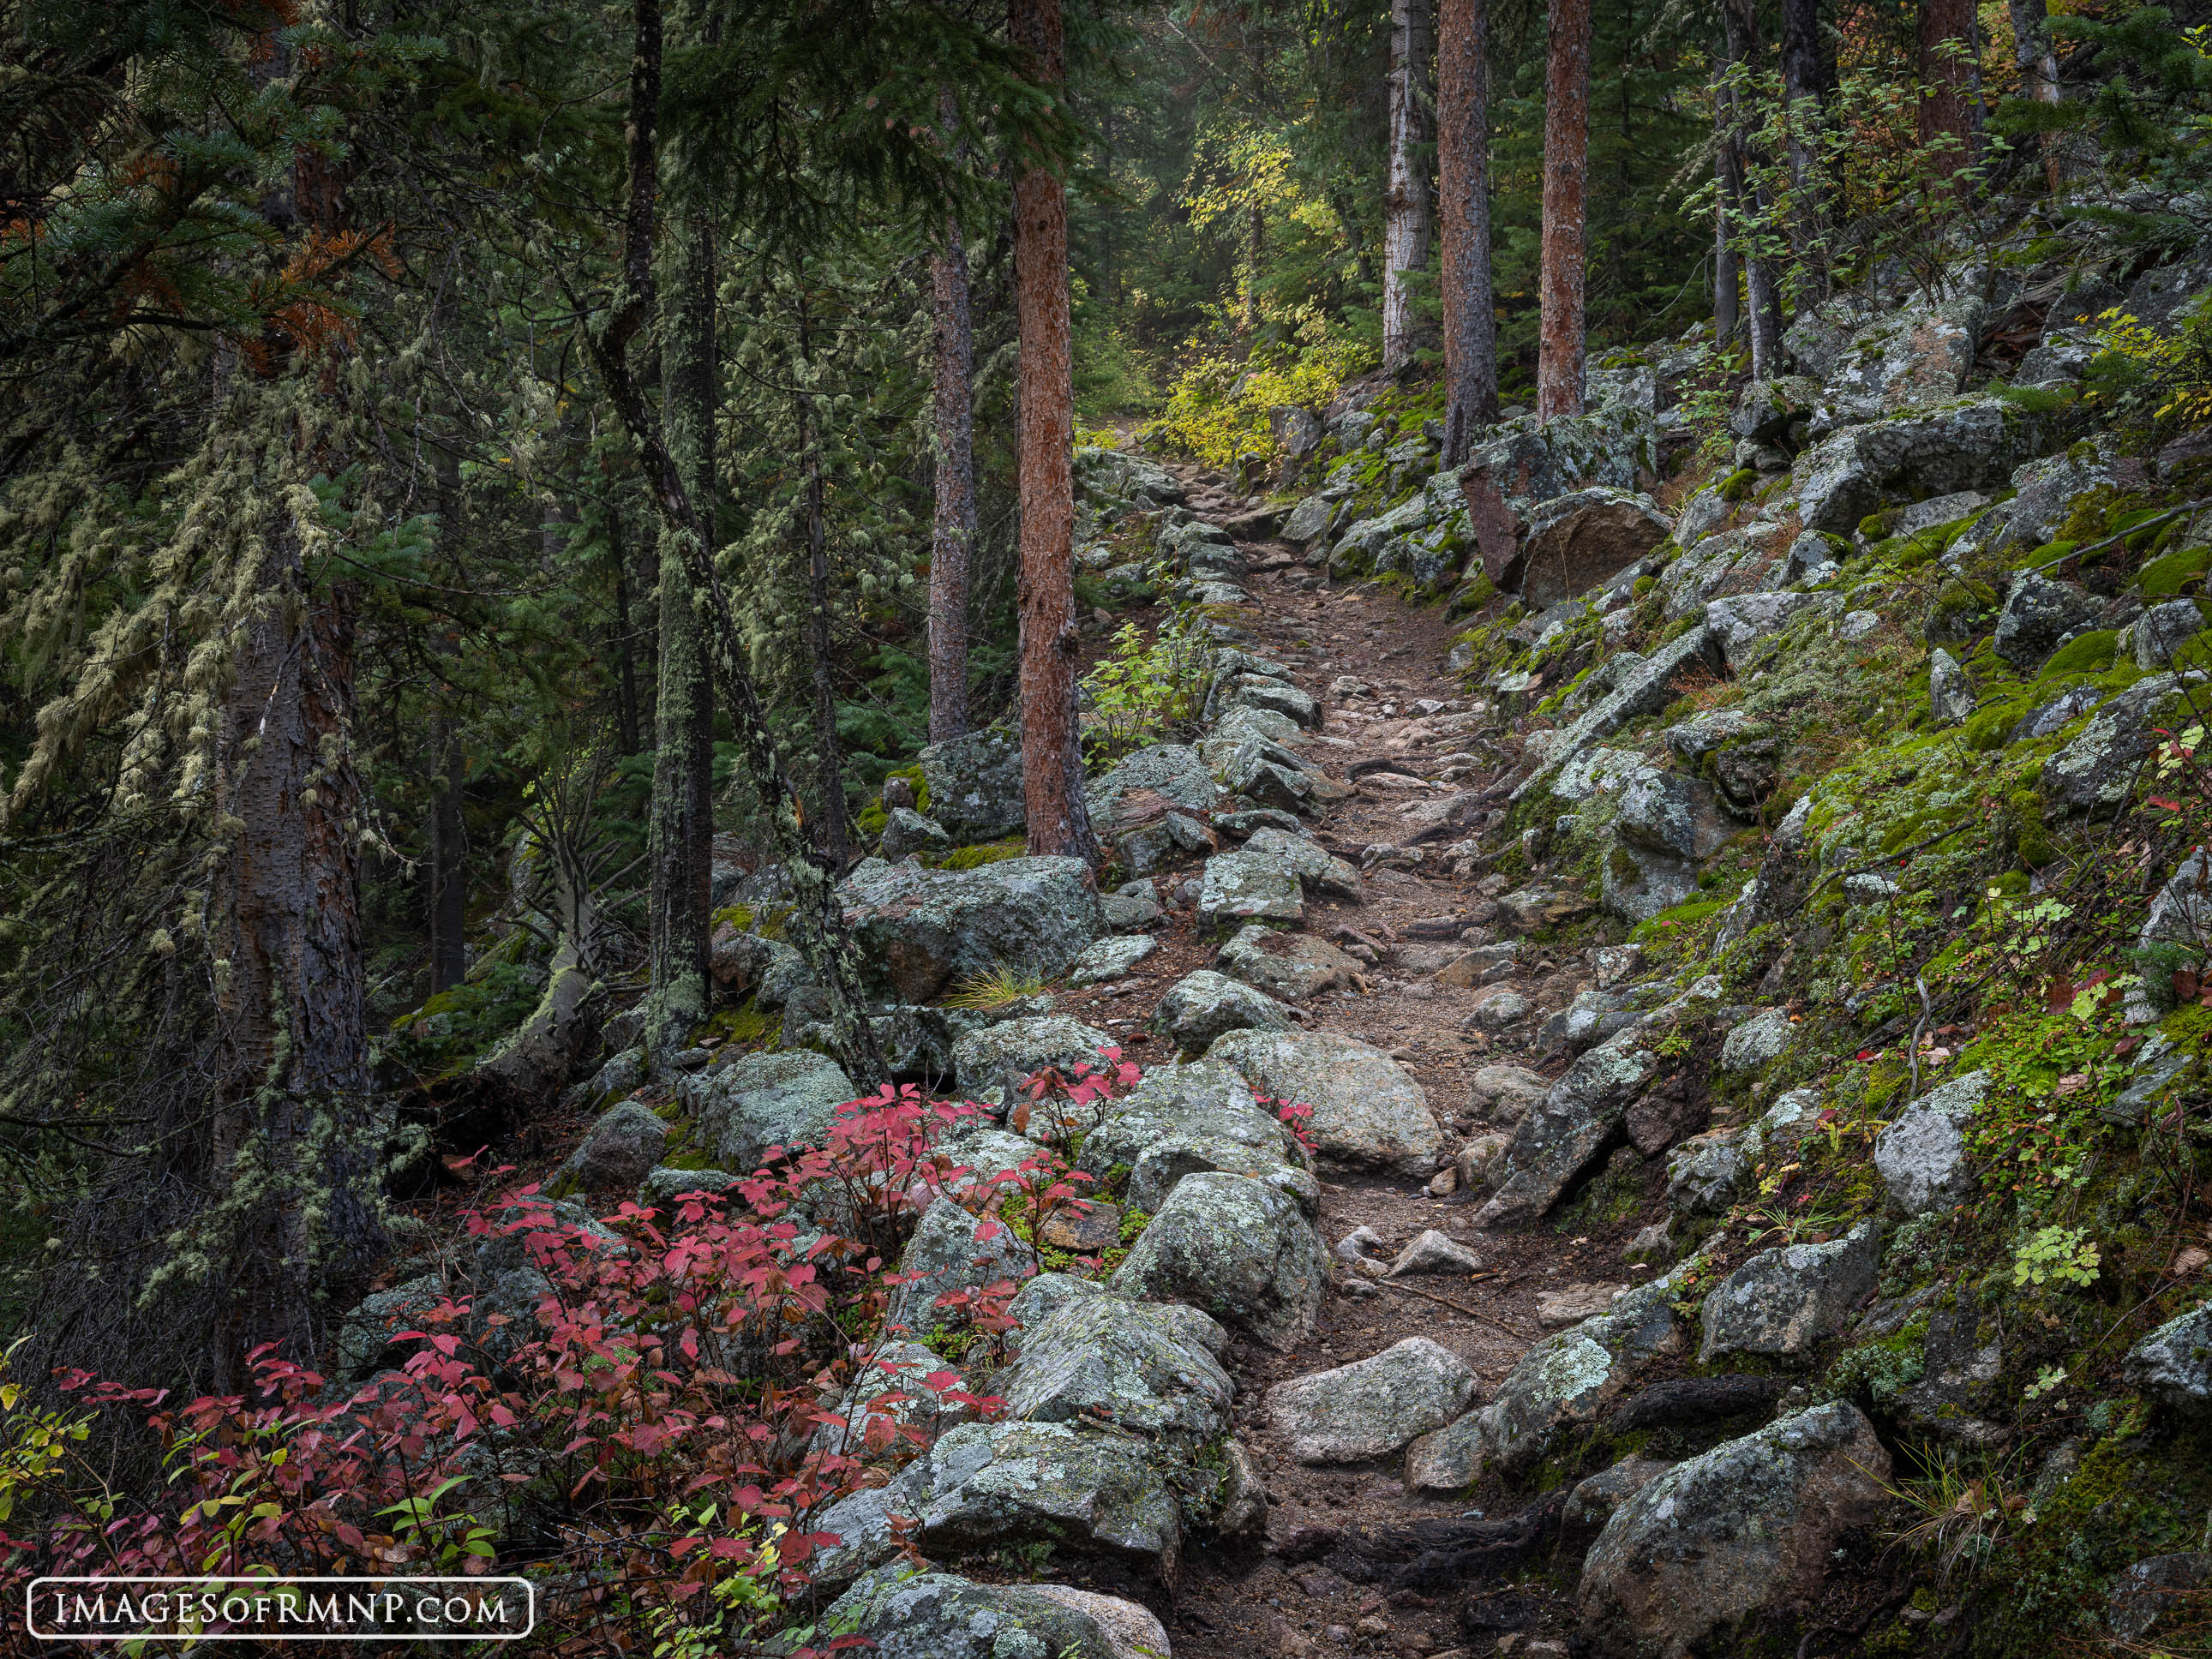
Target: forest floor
{"points": [[1233, 1603]]}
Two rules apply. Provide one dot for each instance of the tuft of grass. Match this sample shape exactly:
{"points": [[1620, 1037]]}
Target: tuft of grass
{"points": [[996, 989]]}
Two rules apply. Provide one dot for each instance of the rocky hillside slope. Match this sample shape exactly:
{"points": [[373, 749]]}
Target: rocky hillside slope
{"points": [[1732, 952]]}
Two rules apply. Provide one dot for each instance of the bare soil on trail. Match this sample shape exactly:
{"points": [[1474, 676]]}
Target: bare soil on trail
{"points": [[1266, 1597]]}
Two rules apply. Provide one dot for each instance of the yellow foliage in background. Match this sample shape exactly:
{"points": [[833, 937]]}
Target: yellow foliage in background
{"points": [[1217, 409]]}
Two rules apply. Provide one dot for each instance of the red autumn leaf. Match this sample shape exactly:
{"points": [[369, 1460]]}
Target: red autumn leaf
{"points": [[2185, 985]]}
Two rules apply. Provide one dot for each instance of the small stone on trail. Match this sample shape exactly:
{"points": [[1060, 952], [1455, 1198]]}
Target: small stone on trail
{"points": [[1433, 1252], [1354, 1246], [1573, 1304], [1096, 1227]]}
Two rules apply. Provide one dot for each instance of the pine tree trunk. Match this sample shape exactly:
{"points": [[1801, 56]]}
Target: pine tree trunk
{"points": [[1949, 34], [2038, 63], [1406, 198], [1559, 363], [1463, 197], [626, 721], [681, 885], [1255, 253], [1748, 206], [1808, 80], [1052, 763], [449, 869], [830, 832], [815, 924], [953, 543], [294, 1180], [1727, 317]]}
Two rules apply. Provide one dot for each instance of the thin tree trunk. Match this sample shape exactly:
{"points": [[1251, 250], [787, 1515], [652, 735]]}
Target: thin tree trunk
{"points": [[815, 924], [626, 721], [1255, 253], [1052, 762], [1560, 361], [681, 885], [1463, 196], [1806, 83], [830, 832], [1761, 290], [1948, 31], [449, 869], [953, 544], [2038, 62], [1406, 198], [1726, 316]]}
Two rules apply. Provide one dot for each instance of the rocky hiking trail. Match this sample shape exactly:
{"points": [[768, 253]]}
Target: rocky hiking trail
{"points": [[1398, 732]]}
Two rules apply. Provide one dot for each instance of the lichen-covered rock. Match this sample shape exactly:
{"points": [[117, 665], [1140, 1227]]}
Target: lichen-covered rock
{"points": [[937, 1615], [1783, 1301], [2143, 1597], [1318, 871], [907, 831], [992, 1485], [1556, 1140], [1111, 958], [975, 783], [1673, 814], [1449, 1460], [1504, 1093], [1172, 770], [982, 1061], [762, 1100], [1564, 1382], [1575, 542], [1757, 1042], [1950, 694], [1090, 1356], [1921, 1156], [2163, 631], [949, 1252], [1371, 1408], [1203, 1005], [1189, 1119], [1647, 690], [2037, 613], [1705, 1172], [1308, 521], [1748, 1527], [2095, 773], [917, 933], [1240, 1249], [367, 1336], [890, 1392], [2173, 1363], [1291, 967], [1278, 696], [616, 1152], [1594, 1499], [1742, 620], [1368, 1111], [1240, 887], [1969, 445]]}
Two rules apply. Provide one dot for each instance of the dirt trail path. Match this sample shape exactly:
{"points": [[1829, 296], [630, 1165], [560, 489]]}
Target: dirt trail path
{"points": [[1260, 1600]]}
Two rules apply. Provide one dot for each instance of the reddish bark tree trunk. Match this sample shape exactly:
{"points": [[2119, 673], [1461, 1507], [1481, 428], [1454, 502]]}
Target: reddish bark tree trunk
{"points": [[954, 443], [1052, 764], [1463, 192], [1949, 37], [1406, 202], [1560, 359]]}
